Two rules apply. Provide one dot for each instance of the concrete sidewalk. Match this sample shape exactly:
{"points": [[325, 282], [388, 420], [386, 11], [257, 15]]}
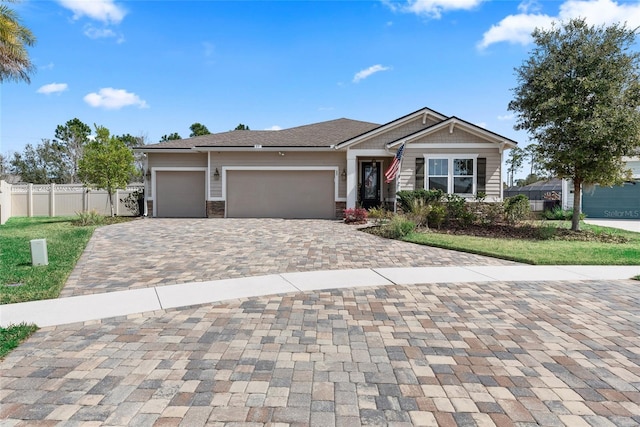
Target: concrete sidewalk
{"points": [[107, 305], [623, 224]]}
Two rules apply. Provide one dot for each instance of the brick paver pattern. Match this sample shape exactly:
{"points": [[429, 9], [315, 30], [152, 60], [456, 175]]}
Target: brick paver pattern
{"points": [[156, 252], [550, 354]]}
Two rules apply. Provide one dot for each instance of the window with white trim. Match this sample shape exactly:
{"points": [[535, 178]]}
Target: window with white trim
{"points": [[453, 174]]}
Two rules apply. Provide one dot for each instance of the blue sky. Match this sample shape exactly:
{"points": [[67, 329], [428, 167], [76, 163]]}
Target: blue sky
{"points": [[154, 67]]}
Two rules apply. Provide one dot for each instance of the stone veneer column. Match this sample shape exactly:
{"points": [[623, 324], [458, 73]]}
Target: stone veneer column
{"points": [[340, 207], [215, 209]]}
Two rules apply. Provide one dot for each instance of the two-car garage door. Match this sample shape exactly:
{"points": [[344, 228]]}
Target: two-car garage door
{"points": [[280, 193]]}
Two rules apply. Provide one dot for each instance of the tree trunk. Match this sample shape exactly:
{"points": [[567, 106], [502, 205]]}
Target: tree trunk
{"points": [[111, 203], [577, 199]]}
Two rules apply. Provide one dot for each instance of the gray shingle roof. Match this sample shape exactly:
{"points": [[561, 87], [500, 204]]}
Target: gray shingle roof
{"points": [[323, 134]]}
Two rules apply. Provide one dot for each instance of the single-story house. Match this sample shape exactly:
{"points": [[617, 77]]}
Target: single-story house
{"points": [[317, 170]]}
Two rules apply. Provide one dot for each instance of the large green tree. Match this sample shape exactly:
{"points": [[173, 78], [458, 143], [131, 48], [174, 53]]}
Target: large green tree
{"points": [[42, 164], [72, 137], [198, 129], [138, 158], [107, 164], [242, 126], [171, 137], [15, 63], [514, 163], [578, 95]]}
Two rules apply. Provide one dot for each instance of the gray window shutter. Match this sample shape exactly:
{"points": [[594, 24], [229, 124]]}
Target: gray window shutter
{"points": [[481, 185]]}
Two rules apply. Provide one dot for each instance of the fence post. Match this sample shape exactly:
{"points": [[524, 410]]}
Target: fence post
{"points": [[30, 200], [117, 202], [52, 200]]}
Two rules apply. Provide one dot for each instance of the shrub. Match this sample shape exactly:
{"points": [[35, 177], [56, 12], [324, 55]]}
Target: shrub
{"points": [[380, 215], [397, 228], [355, 215], [132, 201], [458, 211], [419, 212], [489, 213], [91, 217], [516, 208], [557, 213], [405, 197], [437, 215]]}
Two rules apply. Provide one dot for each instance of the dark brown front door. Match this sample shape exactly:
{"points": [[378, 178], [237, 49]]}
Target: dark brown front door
{"points": [[370, 184]]}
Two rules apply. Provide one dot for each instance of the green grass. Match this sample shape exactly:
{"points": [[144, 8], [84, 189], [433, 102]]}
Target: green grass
{"points": [[65, 243], [543, 252], [12, 336]]}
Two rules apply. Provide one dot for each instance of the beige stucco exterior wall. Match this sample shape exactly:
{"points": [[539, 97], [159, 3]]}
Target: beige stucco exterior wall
{"points": [[275, 159], [379, 142]]}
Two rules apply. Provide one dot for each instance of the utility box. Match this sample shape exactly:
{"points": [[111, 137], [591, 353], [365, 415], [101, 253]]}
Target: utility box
{"points": [[39, 252]]}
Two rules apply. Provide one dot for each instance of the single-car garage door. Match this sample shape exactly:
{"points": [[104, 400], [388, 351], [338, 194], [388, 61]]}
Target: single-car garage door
{"points": [[280, 194], [622, 202], [180, 194]]}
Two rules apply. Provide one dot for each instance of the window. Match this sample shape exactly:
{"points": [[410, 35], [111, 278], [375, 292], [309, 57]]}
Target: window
{"points": [[419, 173], [452, 174]]}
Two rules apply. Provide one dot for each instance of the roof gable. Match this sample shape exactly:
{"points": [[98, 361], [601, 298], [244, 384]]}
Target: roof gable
{"points": [[424, 113], [452, 123]]}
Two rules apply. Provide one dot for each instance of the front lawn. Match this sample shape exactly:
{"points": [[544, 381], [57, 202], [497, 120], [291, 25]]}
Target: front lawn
{"points": [[534, 251], [12, 336], [19, 280]]}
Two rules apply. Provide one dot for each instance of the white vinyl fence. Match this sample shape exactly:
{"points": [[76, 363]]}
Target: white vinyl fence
{"points": [[59, 200]]}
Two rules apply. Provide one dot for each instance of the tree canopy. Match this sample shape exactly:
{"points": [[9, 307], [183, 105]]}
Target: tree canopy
{"points": [[578, 95], [107, 164], [42, 164], [198, 129], [171, 137], [71, 138], [242, 127], [514, 163], [15, 63]]}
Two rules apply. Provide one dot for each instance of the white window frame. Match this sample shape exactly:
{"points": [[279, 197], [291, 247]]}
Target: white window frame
{"points": [[450, 169]]}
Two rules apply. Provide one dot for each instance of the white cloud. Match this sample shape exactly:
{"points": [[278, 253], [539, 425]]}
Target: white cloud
{"points": [[361, 75], [506, 117], [517, 29], [482, 125], [53, 88], [431, 8], [114, 99], [274, 127], [101, 10], [49, 66], [101, 33]]}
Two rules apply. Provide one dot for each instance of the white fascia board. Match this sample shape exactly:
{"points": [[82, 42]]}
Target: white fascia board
{"points": [[391, 125], [259, 149], [355, 153], [163, 150], [465, 145]]}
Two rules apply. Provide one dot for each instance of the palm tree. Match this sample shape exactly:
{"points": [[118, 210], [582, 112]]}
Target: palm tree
{"points": [[15, 63]]}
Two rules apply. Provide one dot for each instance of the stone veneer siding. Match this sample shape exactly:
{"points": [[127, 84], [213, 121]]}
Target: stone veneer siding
{"points": [[340, 207], [215, 209]]}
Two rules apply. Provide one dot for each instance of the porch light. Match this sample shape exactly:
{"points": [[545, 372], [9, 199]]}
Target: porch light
{"points": [[216, 174], [343, 175], [148, 174]]}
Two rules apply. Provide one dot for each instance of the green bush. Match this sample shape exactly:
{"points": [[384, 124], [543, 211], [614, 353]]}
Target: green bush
{"points": [[91, 217], [437, 215], [380, 215], [458, 211], [516, 208], [405, 197], [557, 213], [419, 212], [397, 228], [489, 213]]}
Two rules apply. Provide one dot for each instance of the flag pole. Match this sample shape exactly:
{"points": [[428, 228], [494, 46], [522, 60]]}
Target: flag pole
{"points": [[395, 198]]}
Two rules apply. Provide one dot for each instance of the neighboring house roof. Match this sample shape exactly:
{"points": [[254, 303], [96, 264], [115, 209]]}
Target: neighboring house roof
{"points": [[323, 134]]}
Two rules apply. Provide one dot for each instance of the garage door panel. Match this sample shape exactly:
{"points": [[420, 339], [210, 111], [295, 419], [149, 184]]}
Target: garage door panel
{"points": [[621, 202], [280, 194], [180, 194]]}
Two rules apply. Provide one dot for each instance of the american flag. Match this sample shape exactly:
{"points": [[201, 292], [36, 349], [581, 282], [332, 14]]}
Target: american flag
{"points": [[394, 168]]}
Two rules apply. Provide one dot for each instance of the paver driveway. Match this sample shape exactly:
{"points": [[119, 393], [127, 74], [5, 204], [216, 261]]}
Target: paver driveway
{"points": [[154, 252], [551, 354]]}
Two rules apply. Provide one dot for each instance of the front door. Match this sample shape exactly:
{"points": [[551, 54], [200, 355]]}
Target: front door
{"points": [[370, 184]]}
